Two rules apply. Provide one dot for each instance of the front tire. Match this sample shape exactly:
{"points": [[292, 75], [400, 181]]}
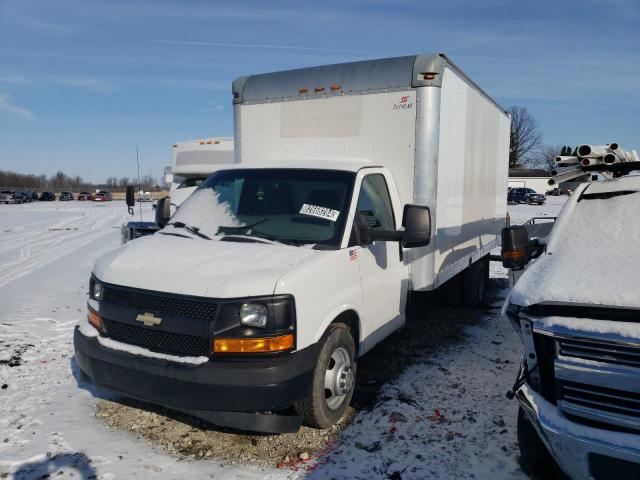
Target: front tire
{"points": [[333, 379], [535, 459]]}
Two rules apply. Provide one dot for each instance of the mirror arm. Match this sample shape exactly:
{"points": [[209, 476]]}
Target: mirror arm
{"points": [[387, 235]]}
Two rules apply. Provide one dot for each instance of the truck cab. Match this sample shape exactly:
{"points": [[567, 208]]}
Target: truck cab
{"points": [[576, 310]]}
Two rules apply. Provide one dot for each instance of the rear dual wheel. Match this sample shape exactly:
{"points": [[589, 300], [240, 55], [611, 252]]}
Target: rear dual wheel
{"points": [[333, 379], [474, 284], [468, 288]]}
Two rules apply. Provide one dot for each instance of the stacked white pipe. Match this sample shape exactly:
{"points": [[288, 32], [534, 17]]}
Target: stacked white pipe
{"points": [[570, 167]]}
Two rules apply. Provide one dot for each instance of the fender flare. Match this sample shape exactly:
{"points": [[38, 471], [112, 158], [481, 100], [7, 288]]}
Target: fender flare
{"points": [[337, 312]]}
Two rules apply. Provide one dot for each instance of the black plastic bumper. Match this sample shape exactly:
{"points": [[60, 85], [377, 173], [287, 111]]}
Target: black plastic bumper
{"points": [[205, 390]]}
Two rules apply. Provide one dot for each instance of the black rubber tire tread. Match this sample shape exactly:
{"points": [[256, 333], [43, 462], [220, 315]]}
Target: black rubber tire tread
{"points": [[535, 459], [473, 278], [450, 293], [314, 408]]}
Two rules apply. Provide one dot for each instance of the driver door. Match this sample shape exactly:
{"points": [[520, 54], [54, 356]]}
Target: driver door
{"points": [[383, 274]]}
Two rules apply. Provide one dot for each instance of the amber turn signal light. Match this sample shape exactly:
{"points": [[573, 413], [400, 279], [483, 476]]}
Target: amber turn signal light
{"points": [[253, 345], [95, 320], [514, 254]]}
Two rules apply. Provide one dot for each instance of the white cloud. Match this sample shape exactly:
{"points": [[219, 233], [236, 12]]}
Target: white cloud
{"points": [[12, 79], [87, 83], [266, 46], [214, 107], [7, 107]]}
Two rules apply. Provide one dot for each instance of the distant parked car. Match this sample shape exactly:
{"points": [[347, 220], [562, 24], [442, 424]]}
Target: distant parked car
{"points": [[9, 196], [553, 192], [47, 197], [525, 195], [65, 196], [102, 196], [31, 196], [85, 196]]}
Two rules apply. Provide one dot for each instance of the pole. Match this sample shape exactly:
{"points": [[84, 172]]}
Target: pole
{"points": [[138, 162]]}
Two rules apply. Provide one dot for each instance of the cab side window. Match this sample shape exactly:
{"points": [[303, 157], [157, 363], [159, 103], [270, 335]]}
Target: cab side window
{"points": [[374, 203]]}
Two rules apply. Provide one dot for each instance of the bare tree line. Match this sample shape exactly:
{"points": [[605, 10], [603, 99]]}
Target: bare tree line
{"points": [[526, 149], [60, 181]]}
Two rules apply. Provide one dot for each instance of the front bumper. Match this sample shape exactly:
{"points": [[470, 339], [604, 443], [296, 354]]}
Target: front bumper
{"points": [[263, 384], [581, 451]]}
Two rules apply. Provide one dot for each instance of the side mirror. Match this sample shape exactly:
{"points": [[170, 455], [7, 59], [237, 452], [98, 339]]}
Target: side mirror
{"points": [[416, 220], [130, 197], [517, 248], [163, 211]]}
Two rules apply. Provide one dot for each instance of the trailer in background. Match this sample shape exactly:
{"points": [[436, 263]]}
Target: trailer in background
{"points": [[193, 161]]}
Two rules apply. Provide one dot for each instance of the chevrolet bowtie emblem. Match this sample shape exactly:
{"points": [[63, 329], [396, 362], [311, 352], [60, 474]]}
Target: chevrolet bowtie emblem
{"points": [[149, 319]]}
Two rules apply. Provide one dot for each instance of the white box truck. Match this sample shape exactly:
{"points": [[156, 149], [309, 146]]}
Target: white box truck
{"points": [[353, 184], [193, 161]]}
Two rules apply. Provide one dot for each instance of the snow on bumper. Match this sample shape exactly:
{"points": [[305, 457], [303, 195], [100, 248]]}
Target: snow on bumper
{"points": [[575, 446], [265, 384]]}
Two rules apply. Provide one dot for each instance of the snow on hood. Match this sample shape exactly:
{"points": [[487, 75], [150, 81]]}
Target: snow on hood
{"points": [[204, 210], [593, 256], [195, 266]]}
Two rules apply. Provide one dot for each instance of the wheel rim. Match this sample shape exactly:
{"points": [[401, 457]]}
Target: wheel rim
{"points": [[338, 378]]}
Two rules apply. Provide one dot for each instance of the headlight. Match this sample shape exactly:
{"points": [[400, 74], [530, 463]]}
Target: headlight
{"points": [[253, 315], [96, 291]]}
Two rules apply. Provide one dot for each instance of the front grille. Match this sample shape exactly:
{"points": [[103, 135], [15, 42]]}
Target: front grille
{"points": [[609, 400], [609, 352], [545, 353], [157, 340], [161, 303]]}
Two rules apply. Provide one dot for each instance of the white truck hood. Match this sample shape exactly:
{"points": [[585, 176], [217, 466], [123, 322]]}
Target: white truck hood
{"points": [[592, 254], [207, 268]]}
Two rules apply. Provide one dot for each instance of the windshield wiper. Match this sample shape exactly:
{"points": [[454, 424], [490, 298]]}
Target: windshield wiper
{"points": [[188, 228], [176, 235], [241, 228], [247, 238]]}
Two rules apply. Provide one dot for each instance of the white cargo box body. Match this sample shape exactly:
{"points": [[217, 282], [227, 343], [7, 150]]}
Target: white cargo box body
{"points": [[443, 139], [201, 157]]}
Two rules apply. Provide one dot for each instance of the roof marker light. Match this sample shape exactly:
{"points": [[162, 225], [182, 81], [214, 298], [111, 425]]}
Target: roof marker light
{"points": [[303, 90], [429, 75], [319, 89], [335, 87]]}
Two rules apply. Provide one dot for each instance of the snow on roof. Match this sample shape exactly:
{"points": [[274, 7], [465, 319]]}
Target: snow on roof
{"points": [[593, 251]]}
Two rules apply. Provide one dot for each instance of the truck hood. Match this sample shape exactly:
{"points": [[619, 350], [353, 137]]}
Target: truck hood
{"points": [[207, 268]]}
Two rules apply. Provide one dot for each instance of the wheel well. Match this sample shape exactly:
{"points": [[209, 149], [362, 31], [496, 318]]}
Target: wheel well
{"points": [[351, 320]]}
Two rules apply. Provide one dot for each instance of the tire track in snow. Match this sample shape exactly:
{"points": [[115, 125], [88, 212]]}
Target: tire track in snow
{"points": [[41, 252]]}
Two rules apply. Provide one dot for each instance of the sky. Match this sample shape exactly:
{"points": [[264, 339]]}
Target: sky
{"points": [[82, 82]]}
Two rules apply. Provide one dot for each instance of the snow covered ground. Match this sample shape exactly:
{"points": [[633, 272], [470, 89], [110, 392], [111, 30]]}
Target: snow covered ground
{"points": [[457, 423]]}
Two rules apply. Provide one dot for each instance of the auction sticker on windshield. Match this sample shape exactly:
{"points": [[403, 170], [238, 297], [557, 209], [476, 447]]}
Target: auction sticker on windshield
{"points": [[320, 212]]}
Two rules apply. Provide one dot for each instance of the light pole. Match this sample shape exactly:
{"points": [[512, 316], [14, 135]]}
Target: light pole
{"points": [[138, 162]]}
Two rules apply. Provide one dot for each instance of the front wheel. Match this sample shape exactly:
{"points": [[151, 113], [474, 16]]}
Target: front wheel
{"points": [[534, 456], [333, 379]]}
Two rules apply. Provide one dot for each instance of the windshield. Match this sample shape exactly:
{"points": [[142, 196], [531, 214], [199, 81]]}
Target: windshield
{"points": [[292, 206]]}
